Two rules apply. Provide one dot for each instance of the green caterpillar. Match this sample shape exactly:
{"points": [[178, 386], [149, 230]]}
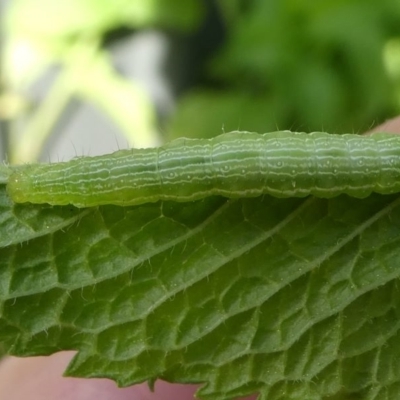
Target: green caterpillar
{"points": [[236, 164]]}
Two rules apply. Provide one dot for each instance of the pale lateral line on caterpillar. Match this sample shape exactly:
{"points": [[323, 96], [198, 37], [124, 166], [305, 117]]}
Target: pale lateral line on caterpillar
{"points": [[234, 165]]}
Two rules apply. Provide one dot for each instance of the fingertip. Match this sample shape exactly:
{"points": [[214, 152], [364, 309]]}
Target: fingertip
{"points": [[38, 378], [390, 126]]}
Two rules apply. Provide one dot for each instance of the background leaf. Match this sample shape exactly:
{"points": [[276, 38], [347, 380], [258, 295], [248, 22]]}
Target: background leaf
{"points": [[303, 65]]}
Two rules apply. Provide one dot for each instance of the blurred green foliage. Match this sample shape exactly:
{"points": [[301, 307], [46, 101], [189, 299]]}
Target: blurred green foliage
{"points": [[50, 28], [41, 33], [298, 64]]}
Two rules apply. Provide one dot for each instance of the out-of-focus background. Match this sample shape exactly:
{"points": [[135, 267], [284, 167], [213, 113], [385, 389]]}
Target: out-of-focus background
{"points": [[86, 77]]}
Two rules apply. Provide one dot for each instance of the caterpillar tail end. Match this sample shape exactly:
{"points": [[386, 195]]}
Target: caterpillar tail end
{"points": [[18, 188]]}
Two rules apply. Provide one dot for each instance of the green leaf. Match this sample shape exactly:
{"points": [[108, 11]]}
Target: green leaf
{"points": [[22, 223], [294, 298], [4, 173]]}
